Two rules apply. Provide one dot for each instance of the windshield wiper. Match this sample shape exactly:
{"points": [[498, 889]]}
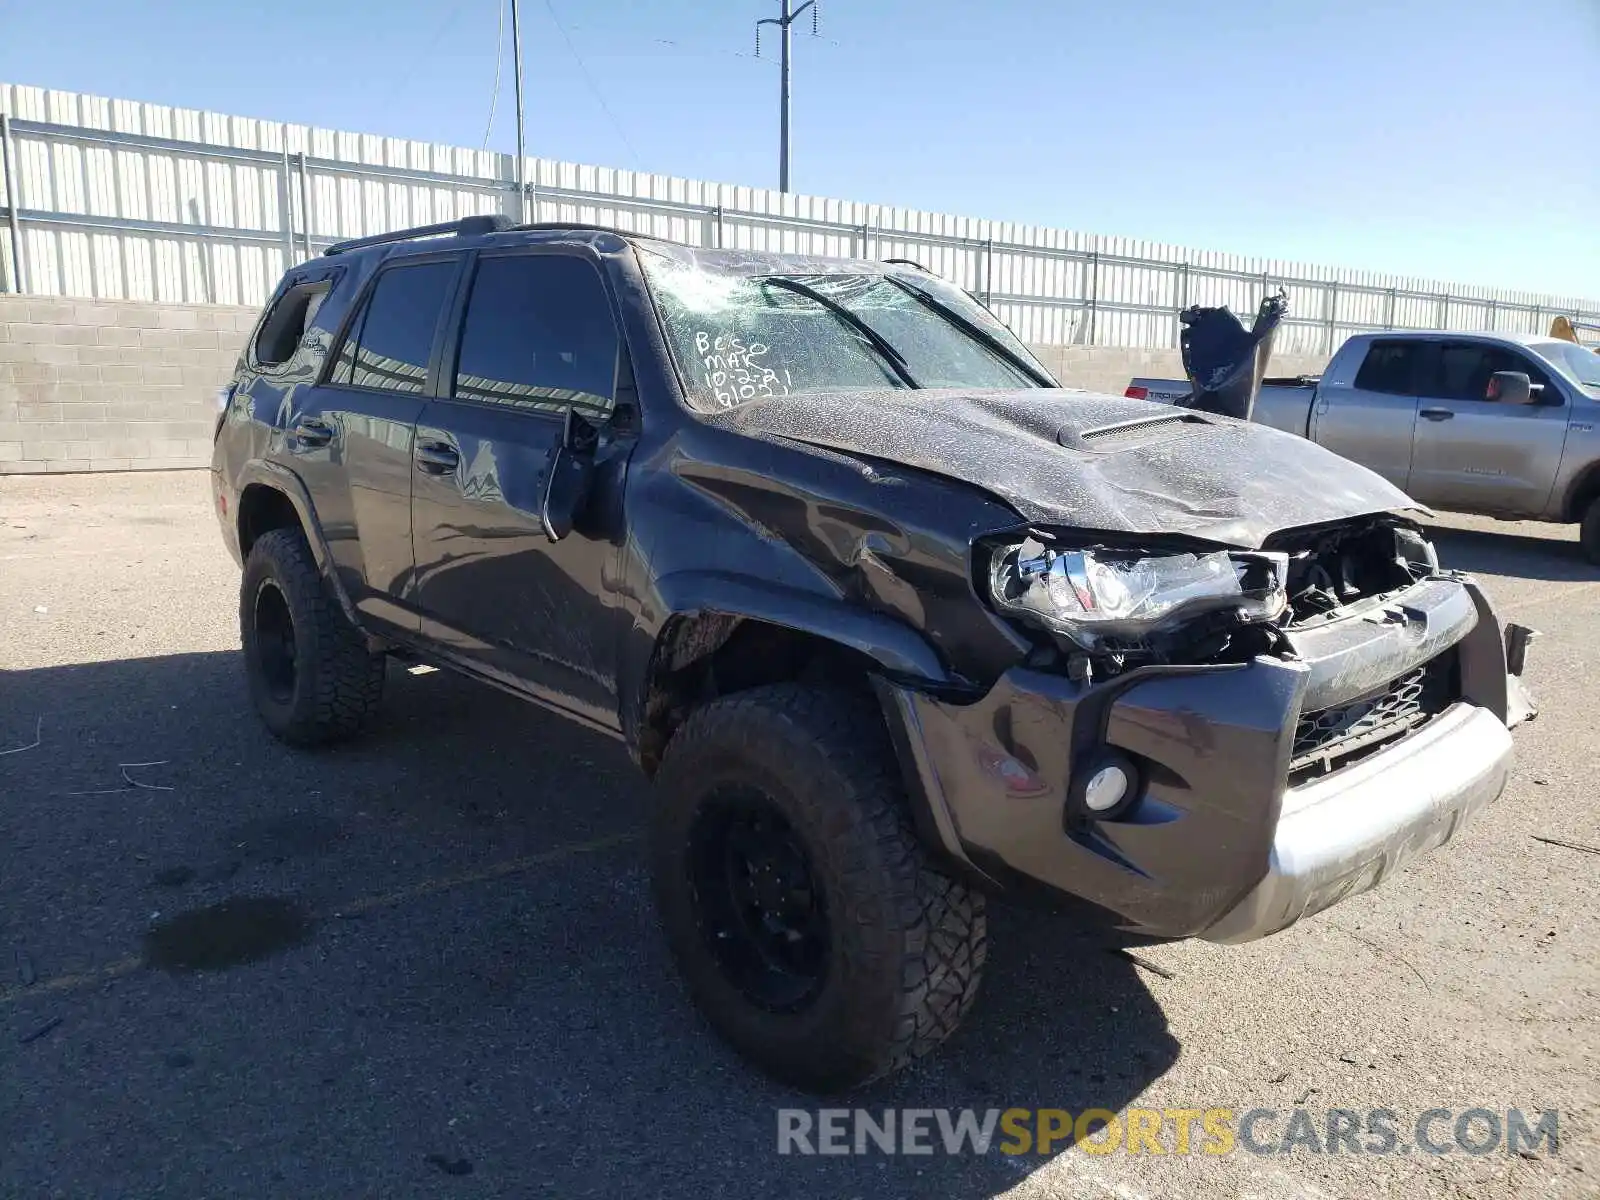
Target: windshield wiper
{"points": [[972, 329], [875, 339]]}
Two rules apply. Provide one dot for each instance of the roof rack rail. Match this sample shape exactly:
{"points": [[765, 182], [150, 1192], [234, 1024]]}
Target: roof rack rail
{"points": [[465, 227], [586, 227]]}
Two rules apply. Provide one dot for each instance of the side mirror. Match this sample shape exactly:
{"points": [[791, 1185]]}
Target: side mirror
{"points": [[1510, 387], [566, 487]]}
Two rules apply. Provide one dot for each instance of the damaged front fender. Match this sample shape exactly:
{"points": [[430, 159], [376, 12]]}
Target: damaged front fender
{"points": [[894, 646]]}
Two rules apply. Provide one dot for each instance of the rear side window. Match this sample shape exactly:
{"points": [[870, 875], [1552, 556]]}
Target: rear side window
{"points": [[287, 322], [391, 339], [539, 335], [1391, 368]]}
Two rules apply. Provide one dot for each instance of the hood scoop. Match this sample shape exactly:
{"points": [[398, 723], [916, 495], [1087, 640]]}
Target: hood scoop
{"points": [[1129, 435]]}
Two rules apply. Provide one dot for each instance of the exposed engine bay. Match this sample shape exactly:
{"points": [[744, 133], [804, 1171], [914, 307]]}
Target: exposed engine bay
{"points": [[1331, 568], [1096, 610]]}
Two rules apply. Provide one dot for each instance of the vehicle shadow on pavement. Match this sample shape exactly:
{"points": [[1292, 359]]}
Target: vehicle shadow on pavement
{"points": [[1491, 552], [475, 982]]}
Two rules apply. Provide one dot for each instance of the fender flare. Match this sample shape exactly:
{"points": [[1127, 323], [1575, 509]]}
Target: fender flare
{"points": [[900, 650], [907, 662], [1587, 480], [260, 472]]}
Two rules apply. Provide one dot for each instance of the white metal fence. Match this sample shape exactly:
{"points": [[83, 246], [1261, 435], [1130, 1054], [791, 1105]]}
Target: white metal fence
{"points": [[125, 200]]}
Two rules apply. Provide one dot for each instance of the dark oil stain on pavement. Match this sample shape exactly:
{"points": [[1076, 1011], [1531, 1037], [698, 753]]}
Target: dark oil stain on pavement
{"points": [[450, 1166], [239, 930]]}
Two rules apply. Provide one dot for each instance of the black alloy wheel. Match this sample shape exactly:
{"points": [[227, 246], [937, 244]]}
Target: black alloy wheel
{"points": [[764, 918]]}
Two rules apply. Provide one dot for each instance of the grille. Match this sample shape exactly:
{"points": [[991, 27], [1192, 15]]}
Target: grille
{"points": [[1332, 738]]}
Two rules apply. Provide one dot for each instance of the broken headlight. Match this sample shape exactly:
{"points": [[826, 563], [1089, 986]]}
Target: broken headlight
{"points": [[1415, 552], [1093, 595]]}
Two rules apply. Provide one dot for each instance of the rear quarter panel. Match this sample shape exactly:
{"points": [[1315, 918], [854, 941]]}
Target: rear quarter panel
{"points": [[1286, 407]]}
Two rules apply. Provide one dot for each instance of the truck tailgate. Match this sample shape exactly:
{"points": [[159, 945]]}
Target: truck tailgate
{"points": [[1283, 403]]}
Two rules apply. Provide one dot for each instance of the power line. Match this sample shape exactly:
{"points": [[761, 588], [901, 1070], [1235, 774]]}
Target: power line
{"points": [[499, 55], [594, 88], [428, 47]]}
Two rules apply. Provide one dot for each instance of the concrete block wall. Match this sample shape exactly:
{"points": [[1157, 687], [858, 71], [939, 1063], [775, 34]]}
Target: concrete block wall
{"points": [[121, 385], [111, 385]]}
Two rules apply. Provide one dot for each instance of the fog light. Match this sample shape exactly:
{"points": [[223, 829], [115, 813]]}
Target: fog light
{"points": [[1106, 789]]}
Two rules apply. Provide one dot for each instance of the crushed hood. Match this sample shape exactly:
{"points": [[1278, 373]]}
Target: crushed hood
{"points": [[1089, 461]]}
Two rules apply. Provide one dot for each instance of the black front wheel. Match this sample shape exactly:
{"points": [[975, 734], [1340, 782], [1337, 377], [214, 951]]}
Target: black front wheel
{"points": [[757, 899], [812, 928], [311, 676]]}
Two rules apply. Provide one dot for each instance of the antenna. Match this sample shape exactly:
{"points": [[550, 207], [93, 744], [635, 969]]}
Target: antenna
{"points": [[784, 21]]}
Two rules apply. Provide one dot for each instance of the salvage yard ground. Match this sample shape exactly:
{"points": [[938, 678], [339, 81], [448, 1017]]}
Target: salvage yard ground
{"points": [[456, 987]]}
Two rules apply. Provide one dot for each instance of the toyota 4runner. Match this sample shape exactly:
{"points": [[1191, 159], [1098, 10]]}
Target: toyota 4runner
{"points": [[892, 621]]}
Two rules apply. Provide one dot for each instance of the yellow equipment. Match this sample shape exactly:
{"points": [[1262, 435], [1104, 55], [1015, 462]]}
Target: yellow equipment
{"points": [[1567, 330]]}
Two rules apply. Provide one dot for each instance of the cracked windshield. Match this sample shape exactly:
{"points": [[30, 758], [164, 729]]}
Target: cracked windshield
{"points": [[738, 338]]}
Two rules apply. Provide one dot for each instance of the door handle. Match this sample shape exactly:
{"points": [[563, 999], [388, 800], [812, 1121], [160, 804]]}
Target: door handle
{"points": [[1436, 414], [437, 458], [309, 431]]}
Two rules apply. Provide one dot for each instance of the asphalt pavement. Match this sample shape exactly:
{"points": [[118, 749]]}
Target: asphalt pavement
{"points": [[426, 964]]}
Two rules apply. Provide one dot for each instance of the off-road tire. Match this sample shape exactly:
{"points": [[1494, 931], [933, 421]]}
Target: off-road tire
{"points": [[906, 942], [1589, 531], [336, 682]]}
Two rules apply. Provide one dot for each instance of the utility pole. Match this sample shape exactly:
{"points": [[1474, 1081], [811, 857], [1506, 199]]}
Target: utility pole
{"points": [[516, 63], [784, 22]]}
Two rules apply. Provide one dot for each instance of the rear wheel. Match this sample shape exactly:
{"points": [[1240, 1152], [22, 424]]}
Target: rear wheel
{"points": [[310, 674], [1589, 531], [808, 921]]}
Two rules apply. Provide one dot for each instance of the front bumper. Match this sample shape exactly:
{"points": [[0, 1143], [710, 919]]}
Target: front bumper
{"points": [[1351, 830], [1220, 846]]}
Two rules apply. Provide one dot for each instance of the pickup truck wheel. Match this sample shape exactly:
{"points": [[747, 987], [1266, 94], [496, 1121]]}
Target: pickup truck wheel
{"points": [[311, 676], [806, 917], [1589, 531]]}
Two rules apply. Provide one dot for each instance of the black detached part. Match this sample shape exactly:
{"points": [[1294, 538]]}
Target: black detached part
{"points": [[892, 621], [1226, 362]]}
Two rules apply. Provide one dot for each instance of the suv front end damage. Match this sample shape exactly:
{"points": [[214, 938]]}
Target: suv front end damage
{"points": [[1200, 672], [1331, 707]]}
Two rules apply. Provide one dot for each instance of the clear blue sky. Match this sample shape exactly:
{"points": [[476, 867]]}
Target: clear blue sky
{"points": [[1454, 139]]}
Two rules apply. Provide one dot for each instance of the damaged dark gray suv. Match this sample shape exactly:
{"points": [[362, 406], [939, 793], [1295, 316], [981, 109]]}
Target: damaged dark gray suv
{"points": [[893, 621]]}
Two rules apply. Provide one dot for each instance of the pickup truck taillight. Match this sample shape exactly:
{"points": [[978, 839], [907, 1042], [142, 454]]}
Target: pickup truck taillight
{"points": [[1135, 392]]}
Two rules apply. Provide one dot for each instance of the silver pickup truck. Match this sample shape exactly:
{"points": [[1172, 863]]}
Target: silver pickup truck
{"points": [[1495, 423]]}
